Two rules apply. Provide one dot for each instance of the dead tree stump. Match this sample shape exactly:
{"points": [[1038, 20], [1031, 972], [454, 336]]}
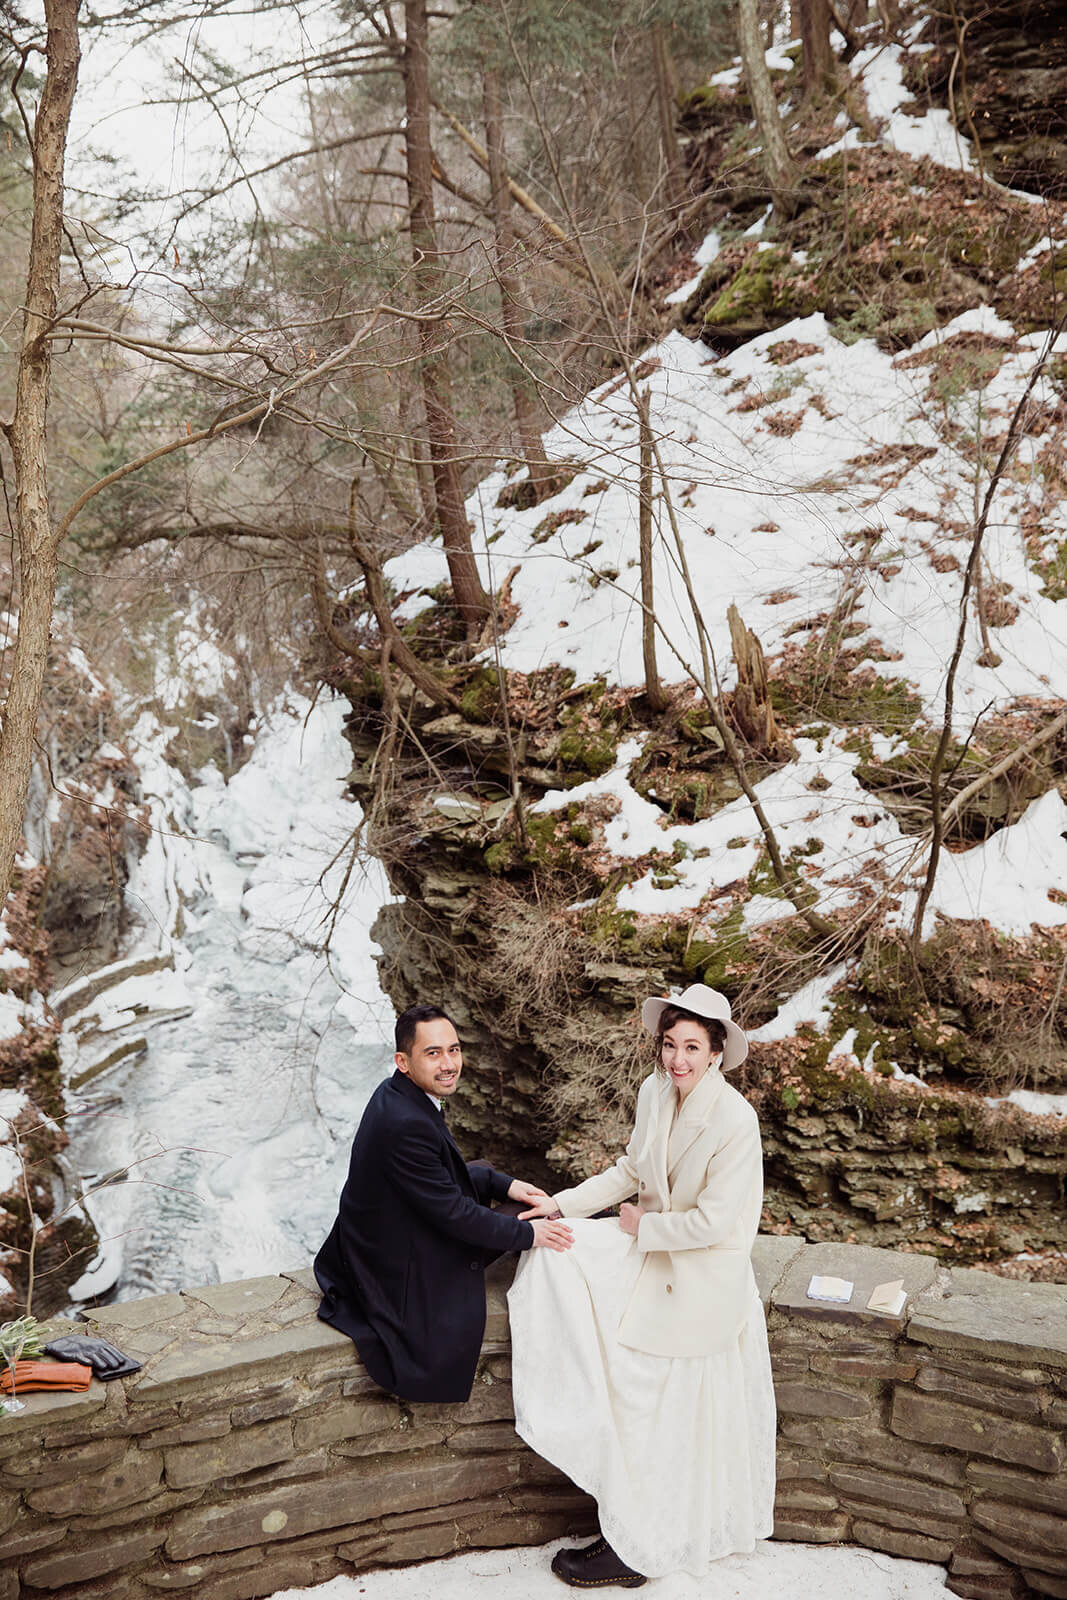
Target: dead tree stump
{"points": [[752, 709]]}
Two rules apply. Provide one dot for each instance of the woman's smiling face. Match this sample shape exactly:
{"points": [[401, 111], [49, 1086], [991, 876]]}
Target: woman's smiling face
{"points": [[686, 1053]]}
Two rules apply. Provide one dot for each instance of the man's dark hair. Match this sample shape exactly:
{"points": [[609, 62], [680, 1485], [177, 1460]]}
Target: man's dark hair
{"points": [[408, 1021]]}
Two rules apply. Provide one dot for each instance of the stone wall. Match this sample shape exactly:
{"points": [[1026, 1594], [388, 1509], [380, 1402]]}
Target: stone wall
{"points": [[253, 1453]]}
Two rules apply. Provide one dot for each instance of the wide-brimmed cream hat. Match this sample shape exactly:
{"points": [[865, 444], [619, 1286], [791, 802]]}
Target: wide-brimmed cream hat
{"points": [[703, 1002]]}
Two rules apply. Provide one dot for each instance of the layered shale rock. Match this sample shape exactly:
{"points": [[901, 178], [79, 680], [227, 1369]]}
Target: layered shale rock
{"points": [[1001, 70], [521, 941]]}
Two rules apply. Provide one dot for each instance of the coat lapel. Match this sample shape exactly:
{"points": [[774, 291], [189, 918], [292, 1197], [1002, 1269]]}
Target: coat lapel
{"points": [[696, 1112], [411, 1092], [423, 1106], [653, 1152]]}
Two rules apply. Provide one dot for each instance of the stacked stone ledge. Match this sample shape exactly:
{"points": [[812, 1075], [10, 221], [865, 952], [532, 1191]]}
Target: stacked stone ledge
{"points": [[253, 1453]]}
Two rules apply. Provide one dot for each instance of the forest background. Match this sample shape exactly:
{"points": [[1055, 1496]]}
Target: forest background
{"points": [[241, 401]]}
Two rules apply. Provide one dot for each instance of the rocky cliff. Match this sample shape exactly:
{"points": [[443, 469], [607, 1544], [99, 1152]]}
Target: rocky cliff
{"points": [[544, 978], [559, 860], [1001, 71]]}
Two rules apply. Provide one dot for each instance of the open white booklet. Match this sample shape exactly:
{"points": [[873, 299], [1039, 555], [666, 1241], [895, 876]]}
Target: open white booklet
{"points": [[838, 1290]]}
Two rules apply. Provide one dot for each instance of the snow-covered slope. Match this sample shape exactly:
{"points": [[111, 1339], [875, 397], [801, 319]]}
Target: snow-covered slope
{"points": [[791, 483], [831, 493], [829, 489]]}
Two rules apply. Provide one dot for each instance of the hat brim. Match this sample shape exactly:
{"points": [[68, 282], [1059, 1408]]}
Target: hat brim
{"points": [[735, 1050]]}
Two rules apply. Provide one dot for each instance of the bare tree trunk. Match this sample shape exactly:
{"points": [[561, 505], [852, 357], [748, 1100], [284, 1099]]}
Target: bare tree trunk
{"points": [[392, 639], [401, 652], [889, 11], [37, 539], [846, 26], [777, 162], [666, 107], [511, 318], [818, 60], [768, 22], [517, 192], [428, 278], [654, 693], [411, 420]]}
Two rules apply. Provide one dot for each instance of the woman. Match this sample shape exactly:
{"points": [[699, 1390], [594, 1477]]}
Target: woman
{"points": [[640, 1361]]}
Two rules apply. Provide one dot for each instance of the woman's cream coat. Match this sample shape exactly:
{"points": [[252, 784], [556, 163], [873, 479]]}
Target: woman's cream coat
{"points": [[702, 1213]]}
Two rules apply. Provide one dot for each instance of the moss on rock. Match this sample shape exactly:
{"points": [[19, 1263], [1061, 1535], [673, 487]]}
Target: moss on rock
{"points": [[587, 751], [767, 290], [480, 699]]}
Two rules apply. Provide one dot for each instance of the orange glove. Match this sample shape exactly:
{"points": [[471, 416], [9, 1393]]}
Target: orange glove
{"points": [[45, 1375]]}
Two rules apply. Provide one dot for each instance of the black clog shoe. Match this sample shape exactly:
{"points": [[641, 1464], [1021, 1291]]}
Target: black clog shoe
{"points": [[595, 1566]]}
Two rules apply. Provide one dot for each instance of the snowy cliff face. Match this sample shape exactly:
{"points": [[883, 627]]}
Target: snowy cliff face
{"points": [[828, 486]]}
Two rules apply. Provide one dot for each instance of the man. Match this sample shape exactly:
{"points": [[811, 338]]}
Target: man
{"points": [[402, 1271]]}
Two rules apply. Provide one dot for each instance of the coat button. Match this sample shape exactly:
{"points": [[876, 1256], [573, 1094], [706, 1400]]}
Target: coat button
{"points": [[670, 1288], [643, 1186]]}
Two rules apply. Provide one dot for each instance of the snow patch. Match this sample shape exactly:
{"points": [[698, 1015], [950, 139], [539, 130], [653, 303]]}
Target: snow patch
{"points": [[11, 1022], [1034, 1103], [1007, 878], [768, 520], [705, 255], [10, 1169], [810, 1005], [13, 1103], [880, 70], [836, 1573]]}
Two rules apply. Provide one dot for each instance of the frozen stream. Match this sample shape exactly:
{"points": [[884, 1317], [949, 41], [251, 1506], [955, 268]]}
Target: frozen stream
{"points": [[236, 1123]]}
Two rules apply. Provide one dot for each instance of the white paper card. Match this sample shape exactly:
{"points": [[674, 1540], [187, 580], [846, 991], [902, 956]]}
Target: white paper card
{"points": [[839, 1290], [889, 1298]]}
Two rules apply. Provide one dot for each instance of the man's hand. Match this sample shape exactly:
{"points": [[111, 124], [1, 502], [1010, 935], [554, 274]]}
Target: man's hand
{"points": [[529, 1192], [630, 1218], [554, 1235]]}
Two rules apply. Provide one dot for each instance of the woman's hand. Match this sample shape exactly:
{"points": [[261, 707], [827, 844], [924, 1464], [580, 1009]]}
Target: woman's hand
{"points": [[630, 1218], [541, 1206], [553, 1235]]}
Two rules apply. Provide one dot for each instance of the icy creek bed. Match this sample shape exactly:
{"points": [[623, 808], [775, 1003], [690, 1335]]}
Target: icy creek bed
{"points": [[235, 1124]]}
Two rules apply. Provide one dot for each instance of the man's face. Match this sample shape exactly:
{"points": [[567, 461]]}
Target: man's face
{"points": [[435, 1060]]}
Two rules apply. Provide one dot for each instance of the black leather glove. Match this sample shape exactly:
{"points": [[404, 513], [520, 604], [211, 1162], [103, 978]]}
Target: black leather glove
{"points": [[92, 1351]]}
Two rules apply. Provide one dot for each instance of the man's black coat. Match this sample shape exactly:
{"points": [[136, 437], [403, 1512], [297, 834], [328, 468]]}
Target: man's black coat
{"points": [[402, 1269]]}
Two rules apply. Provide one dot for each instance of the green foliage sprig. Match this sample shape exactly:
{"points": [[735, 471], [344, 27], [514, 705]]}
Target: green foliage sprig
{"points": [[25, 1337]]}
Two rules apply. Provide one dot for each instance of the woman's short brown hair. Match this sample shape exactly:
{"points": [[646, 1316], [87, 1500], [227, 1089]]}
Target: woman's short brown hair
{"points": [[671, 1014]]}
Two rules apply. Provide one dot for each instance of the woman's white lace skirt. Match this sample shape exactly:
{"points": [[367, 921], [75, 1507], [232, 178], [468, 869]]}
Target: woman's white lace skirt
{"points": [[678, 1452]]}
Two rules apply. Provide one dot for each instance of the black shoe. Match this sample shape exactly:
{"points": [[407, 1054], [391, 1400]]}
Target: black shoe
{"points": [[595, 1566]]}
